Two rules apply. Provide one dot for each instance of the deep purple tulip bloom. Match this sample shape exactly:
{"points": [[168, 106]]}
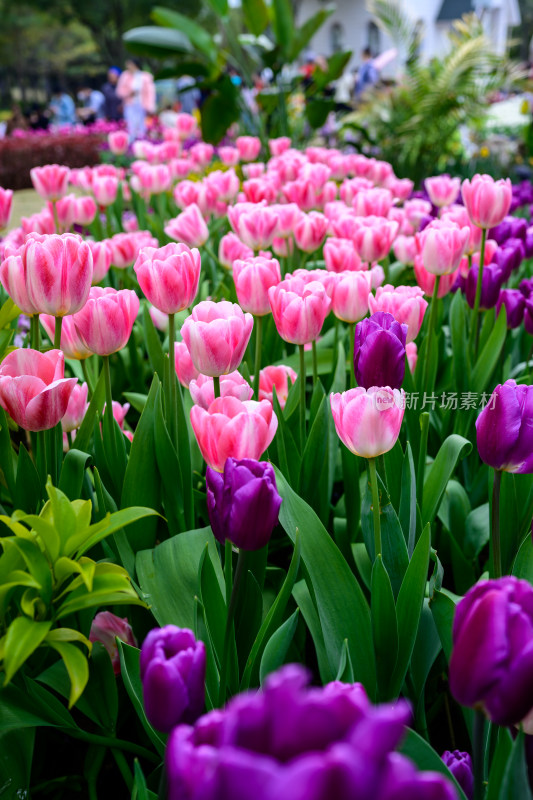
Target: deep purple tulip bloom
{"points": [[173, 677], [491, 665], [510, 228], [528, 316], [529, 243], [504, 429], [514, 302], [292, 742], [243, 502], [460, 765], [379, 351], [491, 283], [526, 287]]}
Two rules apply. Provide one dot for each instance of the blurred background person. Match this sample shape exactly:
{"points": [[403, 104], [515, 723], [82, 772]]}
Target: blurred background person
{"points": [[188, 94], [137, 90], [93, 102], [112, 102], [62, 107], [367, 74]]}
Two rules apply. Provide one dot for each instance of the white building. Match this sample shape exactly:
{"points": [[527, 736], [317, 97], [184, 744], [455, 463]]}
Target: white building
{"points": [[351, 27]]}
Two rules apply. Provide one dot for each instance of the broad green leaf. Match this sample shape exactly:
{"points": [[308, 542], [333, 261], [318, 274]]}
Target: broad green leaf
{"points": [[31, 707], [131, 676], [427, 648], [345, 671], [16, 754], [256, 17], [197, 35], [170, 470], [111, 585], [306, 605], [76, 666], [443, 609], [313, 482], [7, 470], [384, 625], [83, 541], [220, 7], [307, 30], [523, 563], [35, 561], [283, 25], [157, 42], [140, 790], [458, 328], [85, 431], [65, 567], [220, 110], [72, 473], [214, 604], [453, 449], [28, 489], [490, 354], [277, 647], [515, 783], [23, 637], [407, 512]]}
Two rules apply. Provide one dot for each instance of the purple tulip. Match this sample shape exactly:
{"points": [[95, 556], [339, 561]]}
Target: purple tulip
{"points": [[491, 283], [460, 765], [491, 665], [510, 228], [173, 676], [243, 502], [292, 742], [504, 430], [514, 302], [528, 316], [529, 243], [526, 287], [379, 351]]}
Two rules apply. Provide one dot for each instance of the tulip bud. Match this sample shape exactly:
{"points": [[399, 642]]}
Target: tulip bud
{"points": [[504, 434], [106, 628], [460, 765], [368, 422], [379, 351]]}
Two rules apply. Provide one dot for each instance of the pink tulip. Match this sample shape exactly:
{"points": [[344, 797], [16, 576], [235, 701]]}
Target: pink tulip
{"points": [[188, 192], [33, 388], [302, 193], [254, 224], [125, 247], [169, 276], [49, 274], [249, 147], [373, 237], [310, 230], [405, 303], [216, 335], [378, 275], [224, 186], [350, 295], [340, 255], [258, 189], [106, 320], [401, 188], [282, 247], [201, 153], [50, 181], [416, 210], [102, 253], [288, 215], [105, 189], [405, 249], [43, 222], [487, 201], [81, 178], [376, 202], [426, 280], [76, 408], [253, 170], [106, 628], [185, 369], [411, 351], [279, 146], [230, 428], [459, 215], [71, 344], [6, 200], [228, 155], [65, 210], [276, 377], [153, 179], [119, 412], [159, 318], [118, 142], [351, 187], [188, 227], [299, 309], [379, 171], [231, 248], [232, 385], [253, 278], [441, 245], [443, 190], [186, 125], [84, 211], [368, 422], [327, 279]]}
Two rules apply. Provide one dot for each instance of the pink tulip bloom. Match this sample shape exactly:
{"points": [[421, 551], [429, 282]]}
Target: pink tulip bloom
{"points": [[6, 200], [441, 245], [118, 142], [350, 295], [50, 181], [310, 230], [258, 189], [343, 225], [288, 215], [231, 248], [33, 388], [188, 192], [487, 201], [299, 309], [76, 408], [302, 193], [254, 224], [231, 385], [188, 227], [279, 146], [416, 210], [411, 351], [405, 303], [102, 253], [426, 280], [253, 278], [228, 155], [459, 215], [443, 190], [201, 153], [368, 422], [401, 188], [66, 211], [230, 428], [49, 274], [71, 344], [119, 412], [43, 222], [378, 275], [81, 178], [405, 249], [253, 170], [224, 186], [282, 247], [105, 189], [159, 318], [340, 255], [351, 187], [376, 202], [169, 276], [185, 369], [249, 147], [154, 179], [106, 628], [186, 125], [373, 237], [379, 171], [216, 335], [84, 211], [276, 377], [125, 247], [106, 320]]}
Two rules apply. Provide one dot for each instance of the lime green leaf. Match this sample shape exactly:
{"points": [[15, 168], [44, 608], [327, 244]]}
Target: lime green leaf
{"points": [[453, 449], [283, 25], [256, 17], [23, 637], [77, 668], [65, 567]]}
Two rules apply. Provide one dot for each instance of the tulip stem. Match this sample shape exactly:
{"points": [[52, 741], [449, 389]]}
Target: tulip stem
{"points": [[495, 526], [431, 326], [474, 330], [302, 396], [57, 333], [257, 361], [55, 215], [231, 606], [315, 362], [375, 506], [35, 337], [172, 409], [479, 755], [87, 376], [109, 408], [216, 386], [422, 453]]}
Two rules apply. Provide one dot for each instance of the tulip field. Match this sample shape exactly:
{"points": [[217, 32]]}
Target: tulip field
{"points": [[266, 479]]}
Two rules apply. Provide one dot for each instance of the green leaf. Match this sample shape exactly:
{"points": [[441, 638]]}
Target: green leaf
{"points": [[523, 563], [23, 637], [283, 25], [220, 110], [345, 671], [28, 488], [31, 707], [153, 344], [458, 327], [131, 677], [419, 751], [307, 30], [214, 604], [443, 609], [140, 790], [197, 35], [6, 454], [84, 540], [303, 598], [111, 585], [341, 605], [16, 754], [384, 625], [407, 512], [256, 17], [220, 7], [500, 759], [317, 110], [85, 431], [313, 482], [277, 646], [451, 451], [73, 472], [156, 42], [490, 354], [427, 648], [77, 668], [515, 779]]}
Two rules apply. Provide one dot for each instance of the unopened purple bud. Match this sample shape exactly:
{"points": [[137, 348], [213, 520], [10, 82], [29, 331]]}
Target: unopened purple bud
{"points": [[379, 351], [491, 284], [514, 302], [460, 765]]}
